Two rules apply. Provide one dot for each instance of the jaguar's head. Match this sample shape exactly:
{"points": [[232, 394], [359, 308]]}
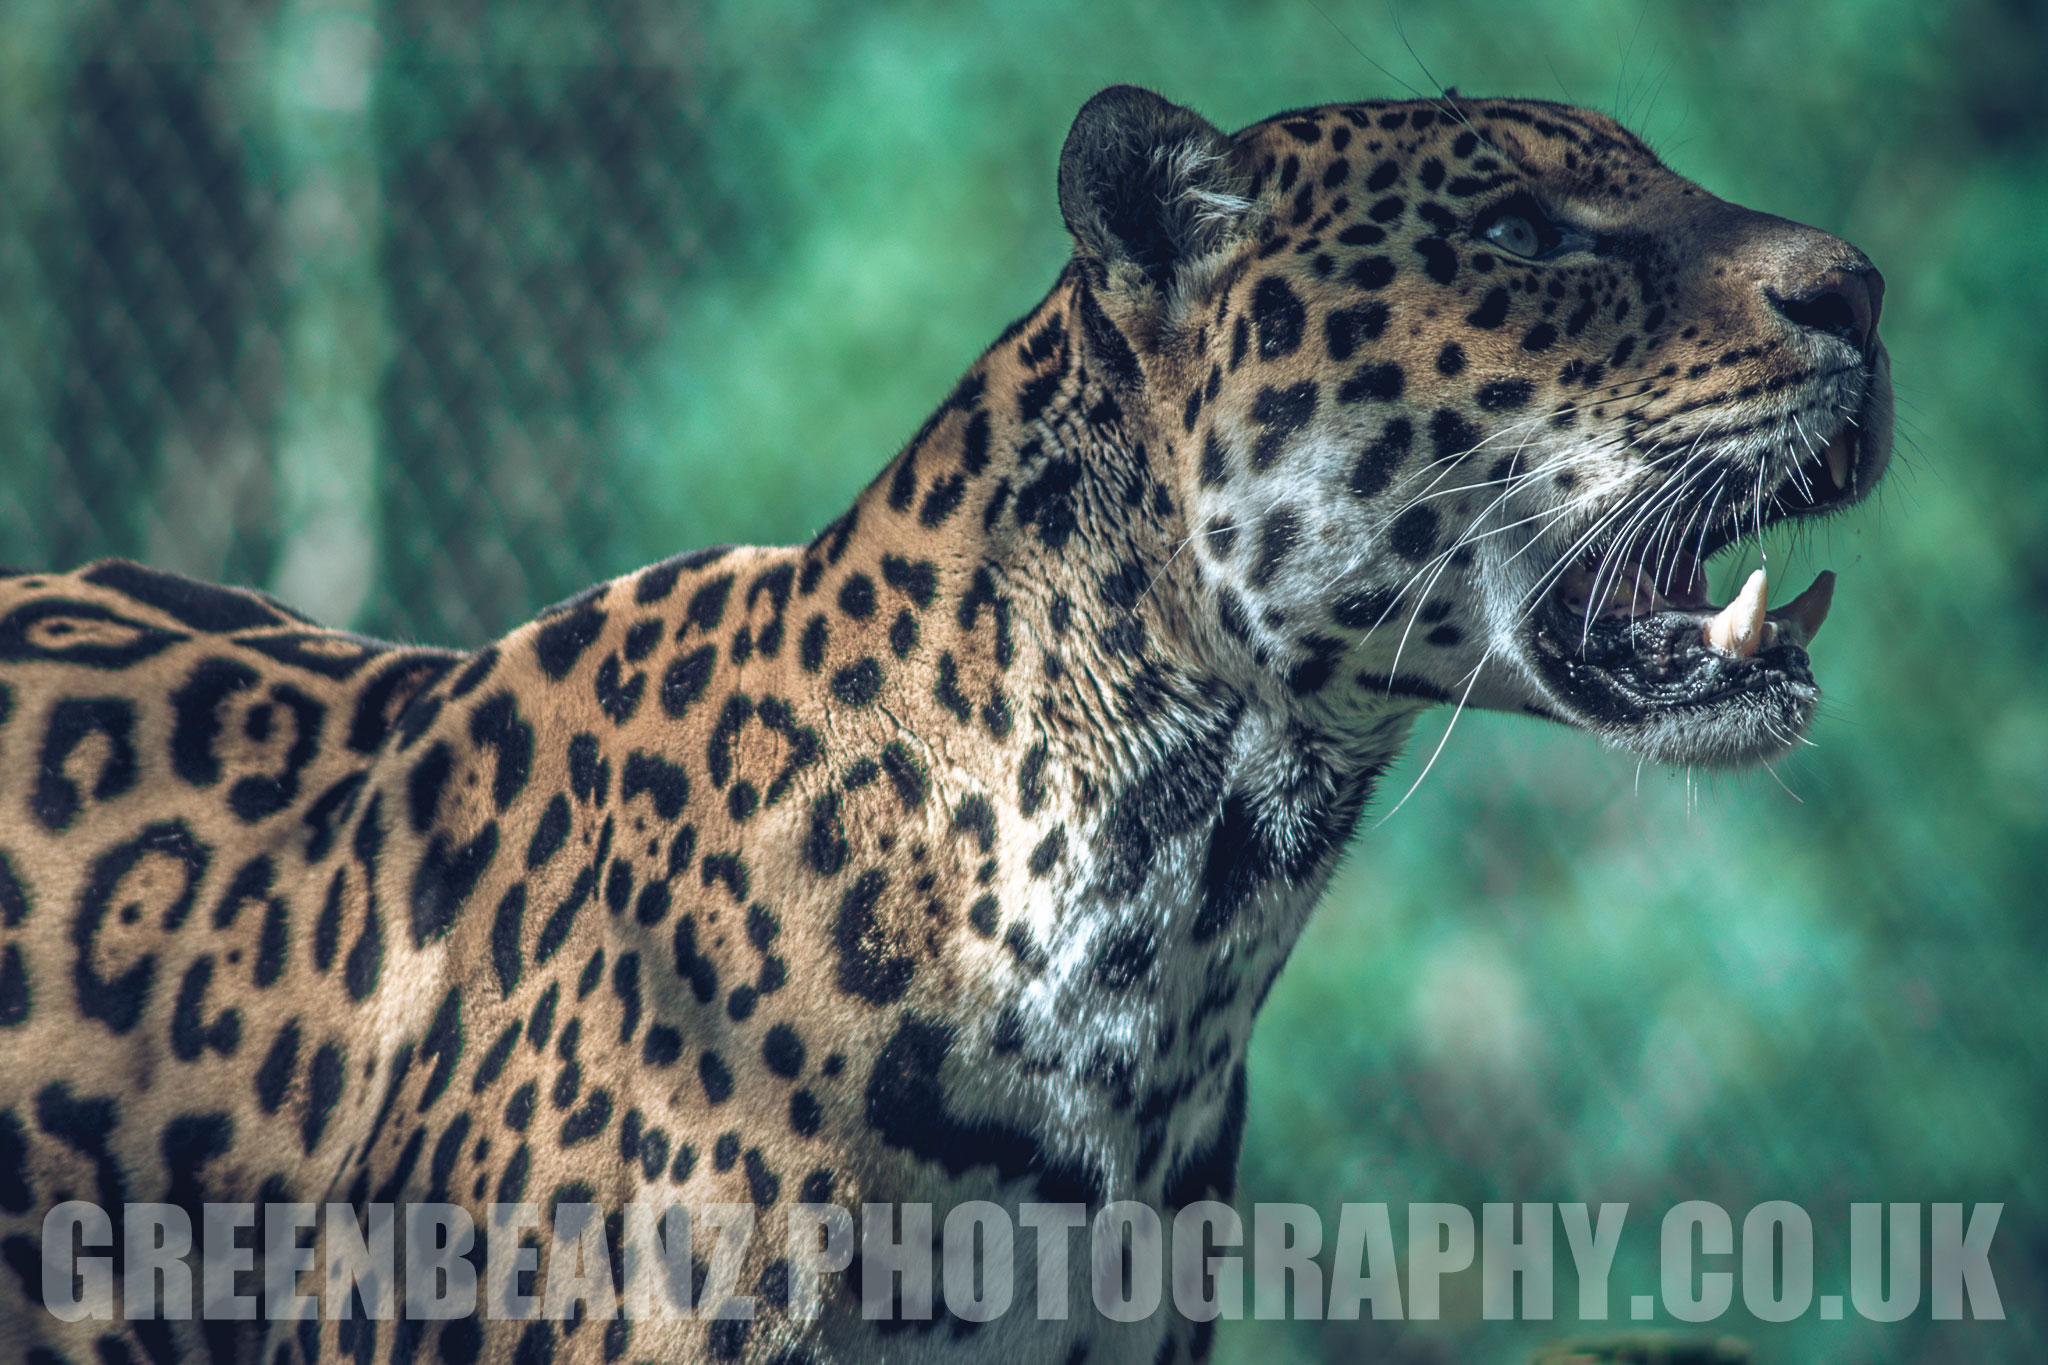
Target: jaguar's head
{"points": [[1463, 394]]}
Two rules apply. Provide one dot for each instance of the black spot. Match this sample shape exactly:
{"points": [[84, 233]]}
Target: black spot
{"points": [[445, 879], [762, 1186], [563, 918], [1362, 234], [1451, 359], [1281, 412], [812, 647], [903, 634], [13, 899], [667, 784], [1450, 435], [1438, 259], [906, 1108], [1048, 851], [916, 580], [202, 606], [1364, 609], [1047, 503], [982, 915], [653, 905], [589, 1121], [15, 1195], [947, 689], [858, 683], [1378, 461], [1373, 383], [662, 1047], [857, 596], [974, 443], [444, 1043], [1345, 329], [1413, 534], [1278, 314], [825, 844], [56, 800], [686, 679], [1383, 175], [783, 1050], [1213, 469], [1492, 310], [659, 580], [618, 696], [1108, 345], [716, 1077], [549, 831], [424, 785], [323, 1093], [867, 967], [255, 797], [195, 707], [118, 1002], [561, 643], [15, 996], [590, 776], [493, 1064], [189, 1031], [976, 816], [1124, 958], [390, 693], [707, 606], [906, 774], [1277, 536], [1309, 675], [942, 500], [699, 971], [729, 868], [1371, 272], [1505, 395], [640, 641]]}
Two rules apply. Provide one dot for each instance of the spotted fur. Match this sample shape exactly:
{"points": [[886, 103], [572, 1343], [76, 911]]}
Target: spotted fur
{"points": [[946, 857]]}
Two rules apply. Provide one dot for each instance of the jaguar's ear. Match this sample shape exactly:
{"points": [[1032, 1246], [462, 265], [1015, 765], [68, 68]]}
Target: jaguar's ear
{"points": [[1149, 188]]}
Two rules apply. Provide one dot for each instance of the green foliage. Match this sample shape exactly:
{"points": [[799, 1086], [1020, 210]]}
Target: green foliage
{"points": [[490, 308]]}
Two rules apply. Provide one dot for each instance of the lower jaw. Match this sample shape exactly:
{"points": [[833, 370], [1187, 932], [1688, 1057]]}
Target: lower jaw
{"points": [[1652, 686]]}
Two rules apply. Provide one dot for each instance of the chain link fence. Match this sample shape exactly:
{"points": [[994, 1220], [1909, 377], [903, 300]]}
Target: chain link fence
{"points": [[289, 305]]}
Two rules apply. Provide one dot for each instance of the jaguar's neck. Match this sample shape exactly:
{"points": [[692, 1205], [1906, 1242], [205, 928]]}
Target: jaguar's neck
{"points": [[1170, 809]]}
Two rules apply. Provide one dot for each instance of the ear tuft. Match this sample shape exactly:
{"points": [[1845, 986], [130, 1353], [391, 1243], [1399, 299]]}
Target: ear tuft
{"points": [[1145, 182]]}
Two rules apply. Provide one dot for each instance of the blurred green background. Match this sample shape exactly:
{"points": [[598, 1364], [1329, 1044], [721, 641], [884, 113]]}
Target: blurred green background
{"points": [[425, 313]]}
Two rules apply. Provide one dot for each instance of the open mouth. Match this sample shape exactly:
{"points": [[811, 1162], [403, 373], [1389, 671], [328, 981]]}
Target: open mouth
{"points": [[1627, 637]]}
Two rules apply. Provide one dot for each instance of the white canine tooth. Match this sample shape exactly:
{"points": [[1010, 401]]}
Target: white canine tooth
{"points": [[1808, 610], [1838, 460], [1738, 627]]}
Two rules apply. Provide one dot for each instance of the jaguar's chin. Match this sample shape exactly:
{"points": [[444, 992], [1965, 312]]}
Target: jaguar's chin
{"points": [[1626, 643], [1687, 685]]}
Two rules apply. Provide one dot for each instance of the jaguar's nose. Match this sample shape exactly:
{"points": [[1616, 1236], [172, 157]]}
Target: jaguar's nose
{"points": [[1841, 303]]}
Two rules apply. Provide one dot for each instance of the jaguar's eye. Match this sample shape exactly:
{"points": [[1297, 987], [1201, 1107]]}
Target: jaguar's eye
{"points": [[1513, 233], [1520, 227]]}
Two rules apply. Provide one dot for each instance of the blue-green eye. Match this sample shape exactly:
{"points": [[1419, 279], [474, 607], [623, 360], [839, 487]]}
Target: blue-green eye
{"points": [[1520, 227], [1516, 235]]}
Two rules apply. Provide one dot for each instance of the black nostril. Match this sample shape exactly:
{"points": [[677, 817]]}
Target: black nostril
{"points": [[1829, 313], [1840, 303]]}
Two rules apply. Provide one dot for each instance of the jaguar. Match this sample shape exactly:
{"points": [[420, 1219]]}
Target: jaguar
{"points": [[944, 860]]}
